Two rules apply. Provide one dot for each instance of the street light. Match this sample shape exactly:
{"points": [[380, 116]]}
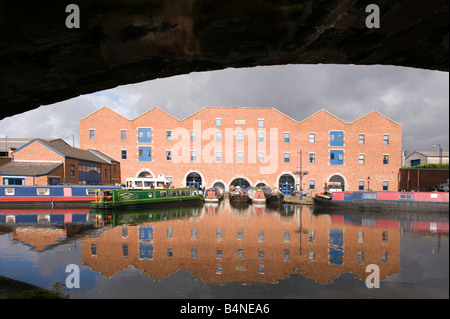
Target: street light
{"points": [[440, 154]]}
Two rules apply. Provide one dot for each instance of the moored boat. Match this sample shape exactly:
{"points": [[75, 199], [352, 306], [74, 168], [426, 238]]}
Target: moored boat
{"points": [[213, 195], [48, 196], [436, 202], [257, 196], [238, 195], [150, 197], [273, 195]]}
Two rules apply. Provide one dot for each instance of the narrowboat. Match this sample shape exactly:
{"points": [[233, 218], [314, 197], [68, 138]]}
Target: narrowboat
{"points": [[132, 198], [238, 195], [52, 196], [273, 195], [384, 201], [257, 196], [213, 195]]}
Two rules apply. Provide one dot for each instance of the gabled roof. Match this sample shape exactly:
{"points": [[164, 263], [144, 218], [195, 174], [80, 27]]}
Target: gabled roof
{"points": [[28, 168], [63, 149], [429, 153]]}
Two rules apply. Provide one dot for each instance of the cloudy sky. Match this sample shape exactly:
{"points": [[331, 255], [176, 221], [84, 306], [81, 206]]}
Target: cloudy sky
{"points": [[417, 99]]}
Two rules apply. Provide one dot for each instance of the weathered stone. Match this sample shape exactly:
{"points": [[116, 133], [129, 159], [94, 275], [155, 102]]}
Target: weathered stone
{"points": [[122, 41]]}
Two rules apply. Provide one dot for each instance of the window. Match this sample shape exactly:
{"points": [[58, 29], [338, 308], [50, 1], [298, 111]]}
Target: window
{"points": [[72, 170], [219, 156], [312, 184], [287, 157], [260, 157], [287, 137], [361, 139], [240, 234], [405, 196], [386, 139], [261, 235], [312, 158], [336, 138], [218, 122], [218, 136], [260, 122], [260, 137], [385, 185], [337, 157], [240, 157], [240, 254], [219, 234], [361, 159], [312, 138], [240, 137], [105, 173], [168, 155], [145, 154], [361, 185], [286, 236], [386, 159], [123, 135], [92, 134], [194, 233], [193, 136], [193, 156], [124, 154], [168, 135], [194, 253], [144, 135]]}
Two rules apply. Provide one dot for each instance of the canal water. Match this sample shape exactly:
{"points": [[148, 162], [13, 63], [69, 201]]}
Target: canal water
{"points": [[226, 251]]}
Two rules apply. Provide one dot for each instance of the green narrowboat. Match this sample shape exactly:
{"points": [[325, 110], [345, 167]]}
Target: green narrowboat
{"points": [[127, 198]]}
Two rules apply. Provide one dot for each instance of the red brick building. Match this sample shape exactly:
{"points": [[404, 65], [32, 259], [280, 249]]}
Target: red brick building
{"points": [[53, 161], [226, 146]]}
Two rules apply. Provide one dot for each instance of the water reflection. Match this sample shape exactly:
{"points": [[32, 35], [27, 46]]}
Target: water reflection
{"points": [[248, 243], [225, 243]]}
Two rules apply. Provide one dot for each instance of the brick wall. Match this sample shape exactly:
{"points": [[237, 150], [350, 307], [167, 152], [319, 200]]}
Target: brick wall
{"points": [[108, 125]]}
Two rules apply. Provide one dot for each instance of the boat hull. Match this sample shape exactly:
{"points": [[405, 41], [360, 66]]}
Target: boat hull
{"points": [[147, 198], [324, 204]]}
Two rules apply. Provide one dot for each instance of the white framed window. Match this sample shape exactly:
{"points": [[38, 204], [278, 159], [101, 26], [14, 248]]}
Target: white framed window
{"points": [[361, 159], [260, 157], [218, 122], [287, 157], [219, 156], [240, 137], [260, 122], [260, 137], [218, 136], [193, 156], [312, 138], [287, 137], [240, 157]]}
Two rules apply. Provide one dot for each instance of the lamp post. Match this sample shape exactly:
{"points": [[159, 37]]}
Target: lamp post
{"points": [[301, 173], [440, 154]]}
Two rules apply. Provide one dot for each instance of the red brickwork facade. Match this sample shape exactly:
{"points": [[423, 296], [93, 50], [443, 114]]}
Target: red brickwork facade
{"points": [[260, 145]]}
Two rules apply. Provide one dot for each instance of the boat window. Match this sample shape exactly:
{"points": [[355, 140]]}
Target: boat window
{"points": [[9, 191], [160, 184], [43, 191], [173, 193], [90, 191], [193, 192], [369, 195], [405, 196], [138, 183], [163, 194], [183, 193], [150, 194]]}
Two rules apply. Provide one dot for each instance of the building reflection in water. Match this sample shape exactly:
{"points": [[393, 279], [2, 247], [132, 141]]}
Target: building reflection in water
{"points": [[244, 244]]}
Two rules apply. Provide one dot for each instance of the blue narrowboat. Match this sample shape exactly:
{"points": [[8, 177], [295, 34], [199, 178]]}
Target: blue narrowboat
{"points": [[55, 196], [436, 202]]}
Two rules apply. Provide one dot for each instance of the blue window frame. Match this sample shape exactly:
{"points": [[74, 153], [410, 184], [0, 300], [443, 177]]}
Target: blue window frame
{"points": [[337, 157], [336, 138], [144, 135], [145, 154], [13, 181]]}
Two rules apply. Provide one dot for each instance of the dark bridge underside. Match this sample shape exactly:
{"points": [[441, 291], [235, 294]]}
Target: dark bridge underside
{"points": [[127, 41]]}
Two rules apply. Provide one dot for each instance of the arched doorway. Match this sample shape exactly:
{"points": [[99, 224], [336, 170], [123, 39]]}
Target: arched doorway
{"points": [[286, 184], [194, 180], [219, 185], [337, 179], [242, 182], [145, 174]]}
